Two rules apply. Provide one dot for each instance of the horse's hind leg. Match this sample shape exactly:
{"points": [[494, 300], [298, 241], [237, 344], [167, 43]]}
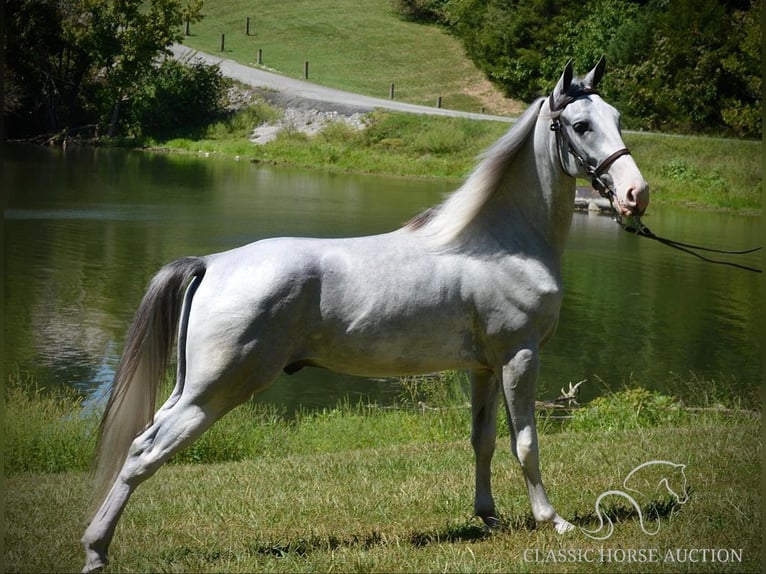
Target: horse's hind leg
{"points": [[519, 388], [179, 426], [484, 399]]}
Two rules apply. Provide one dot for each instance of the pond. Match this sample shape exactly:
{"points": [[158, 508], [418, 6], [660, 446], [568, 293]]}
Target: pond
{"points": [[85, 229]]}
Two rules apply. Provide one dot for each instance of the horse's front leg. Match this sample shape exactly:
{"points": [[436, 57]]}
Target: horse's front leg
{"points": [[519, 389], [484, 398]]}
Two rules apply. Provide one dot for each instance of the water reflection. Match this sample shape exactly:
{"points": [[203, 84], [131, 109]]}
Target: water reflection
{"points": [[85, 230]]}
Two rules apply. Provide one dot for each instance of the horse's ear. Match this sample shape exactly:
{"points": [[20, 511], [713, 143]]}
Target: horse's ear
{"points": [[560, 91], [595, 75]]}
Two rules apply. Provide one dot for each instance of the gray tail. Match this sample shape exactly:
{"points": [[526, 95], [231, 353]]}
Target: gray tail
{"points": [[144, 360]]}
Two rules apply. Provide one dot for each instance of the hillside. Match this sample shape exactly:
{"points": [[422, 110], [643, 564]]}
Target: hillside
{"points": [[363, 51]]}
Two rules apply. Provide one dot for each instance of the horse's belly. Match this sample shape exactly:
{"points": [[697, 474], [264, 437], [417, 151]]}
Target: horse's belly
{"points": [[398, 353]]}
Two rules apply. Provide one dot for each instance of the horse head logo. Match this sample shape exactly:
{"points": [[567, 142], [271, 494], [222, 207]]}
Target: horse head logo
{"points": [[673, 479]]}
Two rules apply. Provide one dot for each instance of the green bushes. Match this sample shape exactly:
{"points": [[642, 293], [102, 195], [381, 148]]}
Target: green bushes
{"points": [[175, 96], [628, 409], [689, 65]]}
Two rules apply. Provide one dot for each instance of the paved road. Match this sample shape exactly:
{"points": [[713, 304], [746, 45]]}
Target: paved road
{"points": [[300, 90]]}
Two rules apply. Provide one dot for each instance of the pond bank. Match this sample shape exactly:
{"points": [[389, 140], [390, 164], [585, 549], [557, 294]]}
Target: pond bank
{"points": [[696, 172]]}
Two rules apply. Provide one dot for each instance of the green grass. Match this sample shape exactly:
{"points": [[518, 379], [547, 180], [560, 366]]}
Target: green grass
{"points": [[359, 47], [701, 172], [45, 430], [360, 488]]}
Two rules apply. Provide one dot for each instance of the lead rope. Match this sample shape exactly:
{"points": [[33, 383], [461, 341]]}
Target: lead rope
{"points": [[633, 223]]}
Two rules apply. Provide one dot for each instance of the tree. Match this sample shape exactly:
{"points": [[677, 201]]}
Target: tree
{"points": [[123, 38], [192, 13], [678, 65], [41, 70], [82, 60]]}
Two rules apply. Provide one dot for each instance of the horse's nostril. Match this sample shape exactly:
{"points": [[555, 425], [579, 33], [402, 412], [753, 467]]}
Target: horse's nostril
{"points": [[638, 198]]}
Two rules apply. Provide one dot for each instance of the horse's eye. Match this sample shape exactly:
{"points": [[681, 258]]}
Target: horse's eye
{"points": [[581, 127]]}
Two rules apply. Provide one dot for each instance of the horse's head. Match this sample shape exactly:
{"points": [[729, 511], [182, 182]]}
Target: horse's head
{"points": [[589, 143]]}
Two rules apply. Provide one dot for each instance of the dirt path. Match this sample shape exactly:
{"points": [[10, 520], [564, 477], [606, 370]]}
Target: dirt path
{"points": [[289, 92]]}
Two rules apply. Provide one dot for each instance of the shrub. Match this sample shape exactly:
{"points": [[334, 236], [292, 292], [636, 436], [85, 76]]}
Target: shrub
{"points": [[628, 409], [176, 96]]}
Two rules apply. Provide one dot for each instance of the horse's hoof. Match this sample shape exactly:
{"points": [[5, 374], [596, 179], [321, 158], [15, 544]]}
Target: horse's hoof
{"points": [[94, 561], [93, 567], [491, 522], [562, 525]]}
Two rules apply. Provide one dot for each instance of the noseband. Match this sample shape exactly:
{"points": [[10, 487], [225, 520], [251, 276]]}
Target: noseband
{"points": [[595, 173]]}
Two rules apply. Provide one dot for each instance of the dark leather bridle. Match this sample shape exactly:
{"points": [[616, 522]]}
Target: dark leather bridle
{"points": [[596, 170]]}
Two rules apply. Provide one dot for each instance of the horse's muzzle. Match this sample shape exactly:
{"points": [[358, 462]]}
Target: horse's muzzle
{"points": [[636, 199]]}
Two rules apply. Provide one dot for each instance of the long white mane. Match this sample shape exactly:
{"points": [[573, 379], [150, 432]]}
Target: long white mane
{"points": [[445, 222]]}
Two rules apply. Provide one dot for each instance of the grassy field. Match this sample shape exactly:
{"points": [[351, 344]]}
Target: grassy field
{"points": [[365, 489], [359, 47]]}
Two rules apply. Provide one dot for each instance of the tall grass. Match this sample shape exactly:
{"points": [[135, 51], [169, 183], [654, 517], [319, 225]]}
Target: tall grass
{"points": [[48, 431], [45, 430]]}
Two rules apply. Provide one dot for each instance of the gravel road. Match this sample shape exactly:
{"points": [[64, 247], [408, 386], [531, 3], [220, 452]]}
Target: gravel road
{"points": [[290, 92]]}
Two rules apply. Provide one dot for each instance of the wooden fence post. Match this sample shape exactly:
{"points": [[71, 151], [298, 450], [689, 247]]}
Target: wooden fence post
{"points": [[223, 38], [306, 70], [391, 91], [260, 56], [247, 27], [439, 102]]}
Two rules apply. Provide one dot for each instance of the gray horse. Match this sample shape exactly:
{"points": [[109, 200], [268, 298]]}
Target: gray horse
{"points": [[474, 283]]}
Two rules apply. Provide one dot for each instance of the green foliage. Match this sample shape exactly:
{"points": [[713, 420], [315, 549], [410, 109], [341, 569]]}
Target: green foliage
{"points": [[628, 409], [249, 431], [93, 62], [681, 170], [444, 390], [511, 40], [392, 143], [420, 10], [42, 71], [240, 124], [686, 65], [45, 430], [175, 96], [703, 172], [192, 12]]}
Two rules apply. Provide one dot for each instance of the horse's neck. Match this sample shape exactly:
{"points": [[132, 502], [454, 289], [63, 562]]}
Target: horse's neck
{"points": [[535, 193]]}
